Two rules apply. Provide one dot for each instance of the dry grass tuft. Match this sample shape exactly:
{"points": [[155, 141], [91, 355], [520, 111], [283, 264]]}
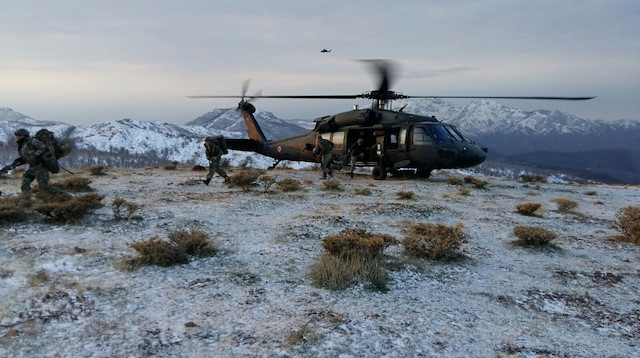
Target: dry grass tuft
{"points": [[194, 243], [533, 178], [434, 241], [61, 208], [75, 184], [405, 195], [96, 170], [38, 278], [199, 168], [528, 209], [289, 185], [533, 236], [352, 256], [331, 185], [171, 166], [455, 181], [122, 209], [479, 184], [244, 178], [363, 191], [266, 181], [15, 208], [565, 205], [176, 251], [628, 223]]}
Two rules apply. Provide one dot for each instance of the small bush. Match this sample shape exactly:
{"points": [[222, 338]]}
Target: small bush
{"points": [[194, 243], [463, 191], [434, 241], [288, 185], [122, 209], [171, 166], [159, 252], [591, 193], [96, 170], [332, 185], [198, 168], [528, 209], [533, 178], [244, 179], [15, 208], [628, 223], [40, 277], [479, 184], [533, 236], [565, 205], [67, 209], [455, 181], [405, 195], [76, 184], [266, 181], [365, 191], [352, 256]]}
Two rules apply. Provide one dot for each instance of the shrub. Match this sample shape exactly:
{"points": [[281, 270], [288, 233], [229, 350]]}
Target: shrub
{"points": [[332, 185], [455, 181], [533, 178], [565, 205], [480, 184], [171, 166], [591, 193], [533, 235], [434, 241], [67, 209], [96, 170], [288, 185], [528, 208], [405, 195], [628, 222], [352, 256], [266, 181], [463, 191], [15, 208], [40, 277], [244, 179], [159, 252], [365, 191], [122, 209], [194, 243], [74, 184], [198, 168]]}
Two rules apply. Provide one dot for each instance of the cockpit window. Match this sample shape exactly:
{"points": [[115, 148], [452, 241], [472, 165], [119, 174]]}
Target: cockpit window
{"points": [[452, 132], [440, 133]]}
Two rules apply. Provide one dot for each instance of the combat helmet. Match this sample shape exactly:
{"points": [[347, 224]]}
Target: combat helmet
{"points": [[21, 132]]}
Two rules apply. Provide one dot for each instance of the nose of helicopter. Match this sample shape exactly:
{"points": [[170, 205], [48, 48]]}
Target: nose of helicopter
{"points": [[471, 155]]}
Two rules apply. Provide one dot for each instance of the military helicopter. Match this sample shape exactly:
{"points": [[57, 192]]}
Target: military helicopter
{"points": [[397, 141], [324, 50]]}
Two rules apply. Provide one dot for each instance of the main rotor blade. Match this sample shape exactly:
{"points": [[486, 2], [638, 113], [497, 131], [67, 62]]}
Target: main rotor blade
{"points": [[508, 97], [346, 96]]}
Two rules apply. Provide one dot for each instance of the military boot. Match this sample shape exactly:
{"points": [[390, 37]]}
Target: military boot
{"points": [[206, 181]]}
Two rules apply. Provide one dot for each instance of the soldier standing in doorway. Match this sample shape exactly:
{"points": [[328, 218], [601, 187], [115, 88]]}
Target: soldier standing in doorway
{"points": [[214, 155], [356, 152]]}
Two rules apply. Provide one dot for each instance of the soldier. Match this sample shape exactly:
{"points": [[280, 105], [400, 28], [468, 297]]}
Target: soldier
{"points": [[356, 152], [214, 155], [30, 150], [323, 148]]}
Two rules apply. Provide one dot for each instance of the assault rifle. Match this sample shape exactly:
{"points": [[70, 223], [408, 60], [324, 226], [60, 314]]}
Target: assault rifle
{"points": [[16, 163]]}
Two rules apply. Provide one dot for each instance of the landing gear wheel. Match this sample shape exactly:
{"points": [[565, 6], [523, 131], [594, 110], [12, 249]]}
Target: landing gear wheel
{"points": [[379, 173], [423, 173]]}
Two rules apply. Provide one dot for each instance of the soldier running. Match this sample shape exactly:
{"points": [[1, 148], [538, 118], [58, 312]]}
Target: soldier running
{"points": [[214, 155], [356, 152], [323, 148], [30, 150]]}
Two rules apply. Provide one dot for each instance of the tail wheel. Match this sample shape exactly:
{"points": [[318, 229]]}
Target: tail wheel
{"points": [[379, 173]]}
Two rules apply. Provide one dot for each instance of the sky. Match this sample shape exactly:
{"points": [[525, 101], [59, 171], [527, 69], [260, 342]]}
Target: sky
{"points": [[88, 61]]}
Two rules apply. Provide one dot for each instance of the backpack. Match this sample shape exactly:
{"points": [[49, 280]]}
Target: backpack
{"points": [[56, 148]]}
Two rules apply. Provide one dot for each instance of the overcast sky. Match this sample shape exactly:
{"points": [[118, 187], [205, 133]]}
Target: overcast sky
{"points": [[84, 61]]}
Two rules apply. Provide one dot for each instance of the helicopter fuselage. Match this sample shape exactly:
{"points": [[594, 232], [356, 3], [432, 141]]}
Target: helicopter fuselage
{"points": [[393, 141]]}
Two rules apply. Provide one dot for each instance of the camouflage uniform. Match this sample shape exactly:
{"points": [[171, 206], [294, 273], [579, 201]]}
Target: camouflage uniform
{"points": [[356, 152], [214, 155], [324, 149], [30, 150]]}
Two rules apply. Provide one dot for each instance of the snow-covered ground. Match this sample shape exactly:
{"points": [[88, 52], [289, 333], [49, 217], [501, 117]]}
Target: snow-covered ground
{"points": [[254, 298]]}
